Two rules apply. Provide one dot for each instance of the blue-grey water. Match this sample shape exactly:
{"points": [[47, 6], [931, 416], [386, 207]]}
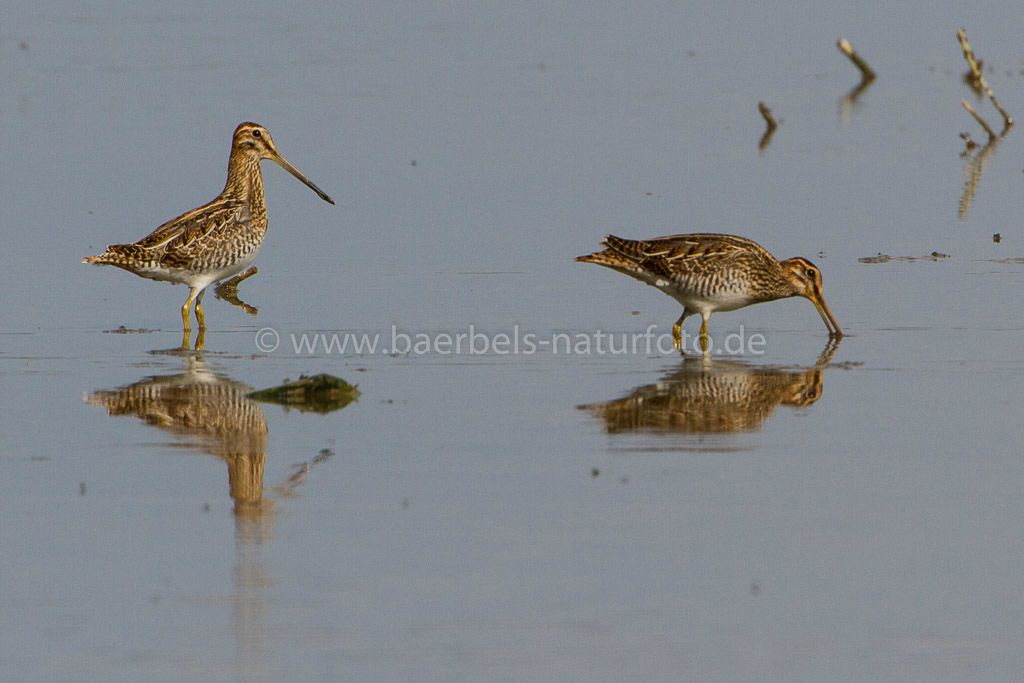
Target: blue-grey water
{"points": [[798, 513]]}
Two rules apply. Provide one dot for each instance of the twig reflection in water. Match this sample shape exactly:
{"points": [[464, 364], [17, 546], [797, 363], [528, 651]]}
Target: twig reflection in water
{"points": [[974, 168], [713, 396], [771, 126]]}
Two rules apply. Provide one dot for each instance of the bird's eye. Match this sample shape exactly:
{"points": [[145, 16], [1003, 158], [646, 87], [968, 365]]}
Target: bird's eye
{"points": [[811, 395], [257, 133], [811, 273]]}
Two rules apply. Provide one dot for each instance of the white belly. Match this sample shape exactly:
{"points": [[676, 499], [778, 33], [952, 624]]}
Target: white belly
{"points": [[728, 299], [725, 301], [199, 280]]}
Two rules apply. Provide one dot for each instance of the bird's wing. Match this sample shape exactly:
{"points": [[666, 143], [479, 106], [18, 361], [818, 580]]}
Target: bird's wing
{"points": [[668, 255], [180, 233], [704, 246]]}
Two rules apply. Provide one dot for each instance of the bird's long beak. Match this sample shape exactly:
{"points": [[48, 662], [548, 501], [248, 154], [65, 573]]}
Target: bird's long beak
{"points": [[283, 163], [826, 315]]}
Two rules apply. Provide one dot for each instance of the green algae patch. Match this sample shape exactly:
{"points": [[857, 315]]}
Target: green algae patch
{"points": [[310, 394]]}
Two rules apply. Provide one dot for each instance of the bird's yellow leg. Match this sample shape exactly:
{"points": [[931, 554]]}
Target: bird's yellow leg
{"points": [[677, 331], [200, 315], [201, 319], [186, 309], [704, 334]]}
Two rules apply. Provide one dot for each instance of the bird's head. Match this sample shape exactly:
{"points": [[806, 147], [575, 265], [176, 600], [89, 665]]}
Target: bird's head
{"points": [[804, 279], [253, 139], [805, 389]]}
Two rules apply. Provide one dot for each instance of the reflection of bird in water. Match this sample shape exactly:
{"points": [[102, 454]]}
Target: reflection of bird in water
{"points": [[214, 414], [210, 411], [706, 396]]}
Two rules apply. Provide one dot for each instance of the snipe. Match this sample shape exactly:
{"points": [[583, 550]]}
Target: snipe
{"points": [[707, 273], [215, 241]]}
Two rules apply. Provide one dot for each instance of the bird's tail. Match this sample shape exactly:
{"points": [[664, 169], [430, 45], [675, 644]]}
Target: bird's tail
{"points": [[117, 255], [620, 253]]}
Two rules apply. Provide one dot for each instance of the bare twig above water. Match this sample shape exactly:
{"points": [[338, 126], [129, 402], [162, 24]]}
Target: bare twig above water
{"points": [[972, 82], [978, 82], [772, 125], [867, 74], [973, 77], [992, 137]]}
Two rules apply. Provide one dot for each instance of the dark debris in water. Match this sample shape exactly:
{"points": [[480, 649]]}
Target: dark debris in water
{"points": [[885, 258], [847, 365], [313, 394], [121, 329]]}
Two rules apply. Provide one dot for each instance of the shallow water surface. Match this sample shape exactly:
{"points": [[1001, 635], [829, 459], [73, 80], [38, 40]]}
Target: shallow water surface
{"points": [[810, 510]]}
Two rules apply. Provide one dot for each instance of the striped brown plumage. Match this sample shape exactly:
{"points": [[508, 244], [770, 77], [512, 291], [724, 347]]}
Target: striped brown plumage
{"points": [[217, 240], [204, 410], [709, 398], [708, 272]]}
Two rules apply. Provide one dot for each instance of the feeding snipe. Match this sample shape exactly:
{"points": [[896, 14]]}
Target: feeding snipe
{"points": [[707, 273], [215, 241]]}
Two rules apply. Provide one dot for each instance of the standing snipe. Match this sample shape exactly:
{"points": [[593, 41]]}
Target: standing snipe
{"points": [[707, 273], [215, 241]]}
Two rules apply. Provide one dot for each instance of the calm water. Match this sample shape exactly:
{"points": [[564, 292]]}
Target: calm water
{"points": [[805, 513]]}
